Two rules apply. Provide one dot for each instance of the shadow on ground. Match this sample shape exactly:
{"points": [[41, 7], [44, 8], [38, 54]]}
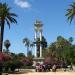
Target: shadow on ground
{"points": [[22, 71]]}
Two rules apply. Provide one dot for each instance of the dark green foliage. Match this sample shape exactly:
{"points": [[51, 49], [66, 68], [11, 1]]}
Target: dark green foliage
{"points": [[6, 65], [63, 49], [71, 39], [43, 42], [30, 54], [16, 64], [71, 12], [21, 55]]}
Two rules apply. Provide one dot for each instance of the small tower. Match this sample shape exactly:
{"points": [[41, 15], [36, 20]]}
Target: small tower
{"points": [[38, 34]]}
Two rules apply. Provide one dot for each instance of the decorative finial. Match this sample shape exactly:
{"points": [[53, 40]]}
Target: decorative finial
{"points": [[38, 25]]}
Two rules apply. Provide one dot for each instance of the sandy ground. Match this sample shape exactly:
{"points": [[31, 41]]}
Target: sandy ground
{"points": [[32, 72], [47, 73]]}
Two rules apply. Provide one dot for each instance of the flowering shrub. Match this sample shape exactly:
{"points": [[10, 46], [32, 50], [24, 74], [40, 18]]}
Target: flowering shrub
{"points": [[4, 61], [5, 57], [7, 61], [1, 57], [13, 61], [50, 59]]}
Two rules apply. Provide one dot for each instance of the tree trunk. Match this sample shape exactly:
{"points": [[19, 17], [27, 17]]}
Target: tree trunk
{"points": [[1, 35], [7, 50], [27, 50]]}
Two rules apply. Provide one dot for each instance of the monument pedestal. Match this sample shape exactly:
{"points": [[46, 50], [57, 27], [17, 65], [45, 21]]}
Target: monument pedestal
{"points": [[38, 60]]}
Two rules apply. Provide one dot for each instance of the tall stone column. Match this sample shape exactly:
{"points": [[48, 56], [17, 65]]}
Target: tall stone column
{"points": [[40, 44], [38, 28], [35, 44]]}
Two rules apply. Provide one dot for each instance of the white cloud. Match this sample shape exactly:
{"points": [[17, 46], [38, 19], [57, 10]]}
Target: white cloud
{"points": [[23, 3]]}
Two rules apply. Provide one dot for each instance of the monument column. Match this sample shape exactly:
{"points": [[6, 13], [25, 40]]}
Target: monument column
{"points": [[38, 34], [35, 44], [40, 43]]}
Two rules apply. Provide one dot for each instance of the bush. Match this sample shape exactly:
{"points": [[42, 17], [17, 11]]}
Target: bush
{"points": [[6, 65], [16, 64], [28, 62], [28, 67]]}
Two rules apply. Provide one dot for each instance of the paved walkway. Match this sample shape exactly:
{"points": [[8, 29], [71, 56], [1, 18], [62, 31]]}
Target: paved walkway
{"points": [[47, 73]]}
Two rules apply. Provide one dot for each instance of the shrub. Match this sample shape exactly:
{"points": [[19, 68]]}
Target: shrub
{"points": [[15, 64], [28, 61]]}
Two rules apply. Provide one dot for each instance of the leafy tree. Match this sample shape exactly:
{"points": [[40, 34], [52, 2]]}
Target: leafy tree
{"points": [[44, 52], [14, 55], [30, 54], [63, 49], [61, 42], [5, 16], [52, 47], [71, 40], [44, 42], [71, 12], [68, 54], [21, 55]]}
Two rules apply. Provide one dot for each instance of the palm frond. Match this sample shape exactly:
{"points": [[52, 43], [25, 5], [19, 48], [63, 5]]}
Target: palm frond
{"points": [[12, 14], [11, 19], [8, 23], [6, 14], [68, 13], [68, 10], [70, 18], [71, 12]]}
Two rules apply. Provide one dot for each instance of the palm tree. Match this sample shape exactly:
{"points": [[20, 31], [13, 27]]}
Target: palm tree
{"points": [[31, 45], [7, 45], [71, 12], [27, 43], [5, 16]]}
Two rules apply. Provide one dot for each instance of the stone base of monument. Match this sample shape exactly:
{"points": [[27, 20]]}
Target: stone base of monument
{"points": [[38, 60]]}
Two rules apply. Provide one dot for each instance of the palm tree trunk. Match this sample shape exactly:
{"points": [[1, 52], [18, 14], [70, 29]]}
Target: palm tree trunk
{"points": [[7, 50], [27, 50], [2, 33]]}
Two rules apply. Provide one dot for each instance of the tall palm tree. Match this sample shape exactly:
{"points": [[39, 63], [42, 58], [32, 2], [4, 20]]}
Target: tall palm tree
{"points": [[71, 12], [26, 43], [7, 45], [5, 16]]}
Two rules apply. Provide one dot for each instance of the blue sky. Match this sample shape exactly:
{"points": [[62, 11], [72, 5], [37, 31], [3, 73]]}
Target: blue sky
{"points": [[50, 12]]}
